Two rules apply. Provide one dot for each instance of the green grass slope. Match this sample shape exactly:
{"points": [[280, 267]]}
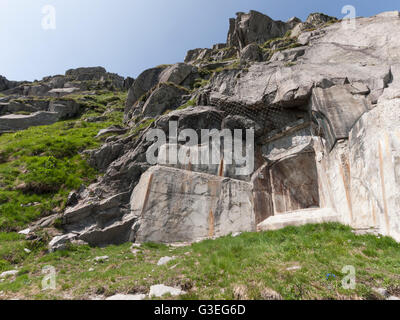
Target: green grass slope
{"points": [[213, 269], [41, 165]]}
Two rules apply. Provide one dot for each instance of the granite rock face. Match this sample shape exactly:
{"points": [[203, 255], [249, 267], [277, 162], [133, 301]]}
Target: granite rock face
{"points": [[198, 207], [324, 108]]}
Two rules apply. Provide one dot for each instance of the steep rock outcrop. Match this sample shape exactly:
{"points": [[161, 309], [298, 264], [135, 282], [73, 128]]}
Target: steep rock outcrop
{"points": [[164, 97], [179, 74], [325, 116], [254, 27]]}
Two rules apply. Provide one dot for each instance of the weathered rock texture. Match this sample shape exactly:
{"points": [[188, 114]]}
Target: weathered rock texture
{"points": [[197, 207], [178, 74], [325, 109], [16, 122]]}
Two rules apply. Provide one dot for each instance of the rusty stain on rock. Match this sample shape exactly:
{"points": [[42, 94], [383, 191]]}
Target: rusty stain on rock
{"points": [[221, 168], [146, 198], [385, 206]]}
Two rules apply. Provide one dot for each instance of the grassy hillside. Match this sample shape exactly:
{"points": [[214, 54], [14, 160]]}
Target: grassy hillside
{"points": [[41, 165], [213, 269]]}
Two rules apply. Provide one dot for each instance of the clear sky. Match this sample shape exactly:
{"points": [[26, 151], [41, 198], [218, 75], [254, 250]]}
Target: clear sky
{"points": [[129, 36]]}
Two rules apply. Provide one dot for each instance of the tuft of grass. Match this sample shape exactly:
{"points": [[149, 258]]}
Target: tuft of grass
{"points": [[190, 103], [290, 64], [164, 66], [200, 83]]}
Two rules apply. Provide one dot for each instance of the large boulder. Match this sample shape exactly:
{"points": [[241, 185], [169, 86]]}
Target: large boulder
{"points": [[179, 74], [98, 74], [64, 108], [197, 55], [144, 82], [164, 97], [200, 206], [83, 74], [27, 105], [39, 89], [251, 52], [103, 222]]}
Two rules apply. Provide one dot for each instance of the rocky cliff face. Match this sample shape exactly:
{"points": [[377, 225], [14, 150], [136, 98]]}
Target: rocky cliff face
{"points": [[324, 103]]}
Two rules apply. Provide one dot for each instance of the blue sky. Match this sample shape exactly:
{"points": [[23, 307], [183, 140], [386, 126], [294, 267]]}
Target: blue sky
{"points": [[129, 36]]}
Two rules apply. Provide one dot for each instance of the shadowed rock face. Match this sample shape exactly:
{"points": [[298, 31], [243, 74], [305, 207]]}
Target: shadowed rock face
{"points": [[198, 207], [327, 147], [7, 84]]}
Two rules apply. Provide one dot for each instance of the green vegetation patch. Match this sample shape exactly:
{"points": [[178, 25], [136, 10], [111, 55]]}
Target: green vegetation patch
{"points": [[212, 269], [40, 166], [190, 103]]}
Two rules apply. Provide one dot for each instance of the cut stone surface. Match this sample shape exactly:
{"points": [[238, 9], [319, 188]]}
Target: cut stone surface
{"points": [[299, 218], [251, 52], [200, 206], [12, 123]]}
